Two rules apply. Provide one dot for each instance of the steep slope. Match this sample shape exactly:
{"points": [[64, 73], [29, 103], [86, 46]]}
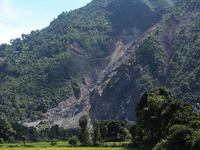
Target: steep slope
{"points": [[71, 57], [168, 57]]}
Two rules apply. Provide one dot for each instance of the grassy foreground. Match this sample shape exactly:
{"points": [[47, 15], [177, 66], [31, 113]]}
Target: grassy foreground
{"points": [[59, 146], [67, 148]]}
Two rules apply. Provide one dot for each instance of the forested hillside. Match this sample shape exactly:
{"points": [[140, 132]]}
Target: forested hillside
{"points": [[42, 68], [169, 57]]}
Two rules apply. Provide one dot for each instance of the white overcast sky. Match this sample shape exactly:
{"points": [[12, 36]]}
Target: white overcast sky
{"points": [[19, 17]]}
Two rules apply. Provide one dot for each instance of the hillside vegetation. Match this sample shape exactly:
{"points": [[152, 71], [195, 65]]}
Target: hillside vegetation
{"points": [[37, 71], [165, 123], [169, 57]]}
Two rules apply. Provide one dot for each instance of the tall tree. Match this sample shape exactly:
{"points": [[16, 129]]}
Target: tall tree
{"points": [[84, 134], [6, 130], [97, 132], [157, 111]]}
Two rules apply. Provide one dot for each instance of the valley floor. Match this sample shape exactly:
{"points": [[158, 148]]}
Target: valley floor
{"points": [[68, 148], [60, 146]]}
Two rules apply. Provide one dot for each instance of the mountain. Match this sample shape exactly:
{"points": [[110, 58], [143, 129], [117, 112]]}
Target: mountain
{"points": [[168, 57], [98, 59]]}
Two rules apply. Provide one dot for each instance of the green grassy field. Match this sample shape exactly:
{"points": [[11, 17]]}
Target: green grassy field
{"points": [[67, 148], [59, 146]]}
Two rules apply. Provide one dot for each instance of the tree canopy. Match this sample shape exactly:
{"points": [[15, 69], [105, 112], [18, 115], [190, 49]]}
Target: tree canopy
{"points": [[6, 130], [161, 116]]}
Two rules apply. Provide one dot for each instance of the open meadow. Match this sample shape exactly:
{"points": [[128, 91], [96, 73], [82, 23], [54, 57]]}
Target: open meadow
{"points": [[59, 146], [67, 148]]}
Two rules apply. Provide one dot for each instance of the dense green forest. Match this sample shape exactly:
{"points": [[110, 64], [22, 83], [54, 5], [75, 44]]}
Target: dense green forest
{"points": [[37, 72]]}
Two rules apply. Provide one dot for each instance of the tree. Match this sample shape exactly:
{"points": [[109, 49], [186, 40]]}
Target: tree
{"points": [[1, 141], [84, 135], [156, 112], [178, 135], [24, 139], [111, 130], [116, 130], [6, 130], [54, 142], [195, 140], [73, 141], [97, 133]]}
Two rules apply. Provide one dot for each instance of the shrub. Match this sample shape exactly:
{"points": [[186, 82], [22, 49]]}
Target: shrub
{"points": [[196, 140], [97, 144], [54, 142], [178, 135], [73, 141], [1, 141], [24, 139], [117, 144], [161, 145]]}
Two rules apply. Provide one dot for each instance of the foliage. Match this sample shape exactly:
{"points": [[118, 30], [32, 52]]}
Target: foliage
{"points": [[30, 132], [169, 56], [1, 140], [43, 135], [109, 131], [161, 145], [195, 140], [38, 71], [73, 141], [185, 63], [157, 111], [97, 133], [165, 123], [6, 130], [54, 142], [178, 136], [113, 130], [117, 144], [84, 133], [24, 139], [151, 54]]}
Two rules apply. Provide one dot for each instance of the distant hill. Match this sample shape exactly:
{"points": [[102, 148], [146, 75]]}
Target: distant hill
{"points": [[169, 57], [98, 59]]}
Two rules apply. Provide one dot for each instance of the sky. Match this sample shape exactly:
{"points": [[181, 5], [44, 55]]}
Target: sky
{"points": [[19, 17]]}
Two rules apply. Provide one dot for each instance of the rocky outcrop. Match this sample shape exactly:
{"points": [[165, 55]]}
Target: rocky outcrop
{"points": [[115, 99]]}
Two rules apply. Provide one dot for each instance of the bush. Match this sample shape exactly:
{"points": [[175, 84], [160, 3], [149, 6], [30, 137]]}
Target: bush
{"points": [[196, 140], [24, 139], [54, 142], [117, 144], [178, 135], [161, 145], [97, 144], [73, 141], [1, 141]]}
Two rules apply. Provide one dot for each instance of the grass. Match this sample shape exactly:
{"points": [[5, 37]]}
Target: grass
{"points": [[38, 144], [59, 146], [68, 148]]}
